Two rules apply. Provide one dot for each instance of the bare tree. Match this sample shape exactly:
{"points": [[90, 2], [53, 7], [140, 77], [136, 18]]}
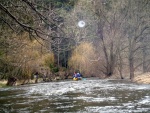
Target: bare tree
{"points": [[136, 29], [110, 31]]}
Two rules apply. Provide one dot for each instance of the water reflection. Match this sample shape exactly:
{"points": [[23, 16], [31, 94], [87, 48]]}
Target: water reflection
{"points": [[77, 96]]}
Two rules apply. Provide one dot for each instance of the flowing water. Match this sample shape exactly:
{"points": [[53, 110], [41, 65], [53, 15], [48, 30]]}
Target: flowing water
{"points": [[85, 96]]}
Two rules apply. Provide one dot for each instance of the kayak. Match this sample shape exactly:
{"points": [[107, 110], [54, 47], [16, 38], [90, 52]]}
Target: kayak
{"points": [[75, 79], [79, 78]]}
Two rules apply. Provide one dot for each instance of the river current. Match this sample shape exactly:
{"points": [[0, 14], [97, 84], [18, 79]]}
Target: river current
{"points": [[84, 96]]}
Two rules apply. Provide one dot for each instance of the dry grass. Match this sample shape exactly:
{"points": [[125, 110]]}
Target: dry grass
{"points": [[142, 78], [3, 83], [139, 78]]}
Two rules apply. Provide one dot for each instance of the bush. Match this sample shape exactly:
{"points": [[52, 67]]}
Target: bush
{"points": [[81, 59]]}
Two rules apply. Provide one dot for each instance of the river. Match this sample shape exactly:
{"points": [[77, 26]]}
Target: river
{"points": [[84, 96]]}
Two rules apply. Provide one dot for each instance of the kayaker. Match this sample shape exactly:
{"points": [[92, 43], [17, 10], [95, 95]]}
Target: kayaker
{"points": [[75, 75], [78, 75]]}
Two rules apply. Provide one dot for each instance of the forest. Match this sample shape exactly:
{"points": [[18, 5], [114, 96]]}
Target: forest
{"points": [[43, 36]]}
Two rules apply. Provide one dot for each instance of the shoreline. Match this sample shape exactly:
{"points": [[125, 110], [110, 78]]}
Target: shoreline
{"points": [[139, 79]]}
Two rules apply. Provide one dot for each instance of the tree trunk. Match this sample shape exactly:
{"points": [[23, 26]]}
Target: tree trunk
{"points": [[144, 61], [144, 56], [131, 68], [120, 66], [131, 56]]}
